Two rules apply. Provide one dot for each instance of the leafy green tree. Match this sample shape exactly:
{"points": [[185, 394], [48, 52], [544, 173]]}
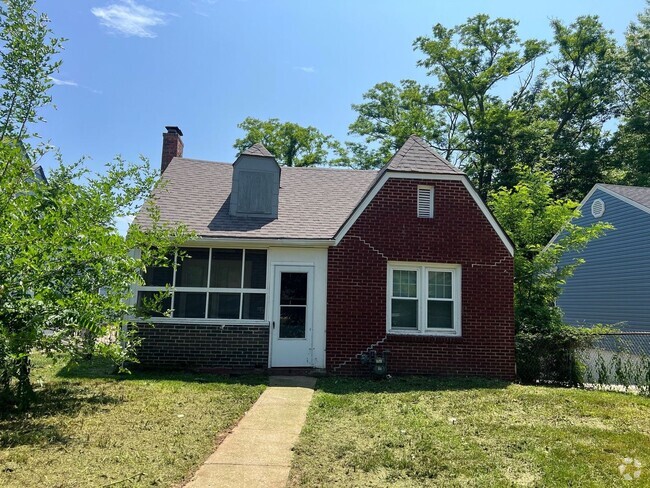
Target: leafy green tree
{"points": [[580, 95], [559, 116], [468, 62], [290, 143], [532, 216], [388, 116], [459, 113], [65, 271], [632, 140]]}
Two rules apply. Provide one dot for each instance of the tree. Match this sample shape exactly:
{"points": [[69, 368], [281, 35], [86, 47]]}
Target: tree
{"points": [[468, 62], [632, 140], [558, 116], [579, 97], [64, 269], [290, 143], [388, 116], [532, 216], [459, 114]]}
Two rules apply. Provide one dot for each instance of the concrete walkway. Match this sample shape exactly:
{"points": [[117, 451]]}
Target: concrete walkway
{"points": [[257, 453]]}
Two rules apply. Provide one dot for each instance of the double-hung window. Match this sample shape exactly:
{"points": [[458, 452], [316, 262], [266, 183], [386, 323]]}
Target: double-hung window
{"points": [[424, 298], [225, 284]]}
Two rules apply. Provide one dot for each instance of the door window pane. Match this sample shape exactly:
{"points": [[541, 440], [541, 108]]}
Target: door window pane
{"points": [[439, 284], [255, 269], [404, 313], [405, 283], [292, 322], [153, 303], [193, 269], [226, 268], [293, 289], [224, 305], [440, 314], [253, 306], [189, 304]]}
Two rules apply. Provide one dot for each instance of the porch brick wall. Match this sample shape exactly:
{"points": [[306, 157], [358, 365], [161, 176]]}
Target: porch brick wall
{"points": [[204, 346], [389, 230]]}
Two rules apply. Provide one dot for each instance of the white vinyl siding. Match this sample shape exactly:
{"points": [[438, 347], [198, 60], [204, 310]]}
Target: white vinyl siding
{"points": [[424, 298], [425, 202]]}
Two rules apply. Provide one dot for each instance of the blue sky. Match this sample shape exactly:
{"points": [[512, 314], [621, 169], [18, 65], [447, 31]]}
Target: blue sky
{"points": [[130, 67]]}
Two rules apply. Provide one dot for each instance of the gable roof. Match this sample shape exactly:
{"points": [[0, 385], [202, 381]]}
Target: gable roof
{"points": [[257, 149], [313, 202], [417, 156], [637, 194]]}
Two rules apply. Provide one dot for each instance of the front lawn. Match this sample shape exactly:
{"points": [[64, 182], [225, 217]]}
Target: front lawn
{"points": [[432, 432], [91, 429]]}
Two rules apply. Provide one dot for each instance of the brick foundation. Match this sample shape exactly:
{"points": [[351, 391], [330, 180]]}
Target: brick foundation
{"points": [[204, 346], [389, 230]]}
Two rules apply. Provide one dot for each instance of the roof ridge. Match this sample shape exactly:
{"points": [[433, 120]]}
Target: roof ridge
{"points": [[427, 161], [624, 186], [202, 161], [430, 148], [257, 149], [290, 168]]}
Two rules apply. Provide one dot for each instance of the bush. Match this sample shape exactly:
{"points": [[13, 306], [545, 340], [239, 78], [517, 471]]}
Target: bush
{"points": [[553, 355]]}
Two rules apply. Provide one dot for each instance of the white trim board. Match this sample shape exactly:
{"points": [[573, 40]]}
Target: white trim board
{"points": [[424, 176]]}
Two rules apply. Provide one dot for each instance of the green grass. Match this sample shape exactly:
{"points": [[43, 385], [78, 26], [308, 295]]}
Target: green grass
{"points": [[414, 432], [89, 428]]}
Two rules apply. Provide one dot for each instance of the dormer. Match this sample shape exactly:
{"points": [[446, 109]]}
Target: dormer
{"points": [[255, 184]]}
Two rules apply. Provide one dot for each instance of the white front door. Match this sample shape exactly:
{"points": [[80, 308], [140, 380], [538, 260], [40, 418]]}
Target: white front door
{"points": [[291, 333]]}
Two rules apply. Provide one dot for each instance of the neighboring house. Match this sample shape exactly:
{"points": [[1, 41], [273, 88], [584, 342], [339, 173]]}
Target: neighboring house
{"points": [[613, 285], [316, 267], [39, 173]]}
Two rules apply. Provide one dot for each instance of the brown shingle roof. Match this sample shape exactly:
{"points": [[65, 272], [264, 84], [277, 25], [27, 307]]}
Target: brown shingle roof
{"points": [[314, 202], [638, 194], [257, 149], [417, 156]]}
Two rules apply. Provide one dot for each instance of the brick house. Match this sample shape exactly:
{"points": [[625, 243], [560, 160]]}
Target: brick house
{"points": [[317, 267]]}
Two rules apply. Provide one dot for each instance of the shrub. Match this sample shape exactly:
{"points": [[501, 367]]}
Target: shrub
{"points": [[553, 355]]}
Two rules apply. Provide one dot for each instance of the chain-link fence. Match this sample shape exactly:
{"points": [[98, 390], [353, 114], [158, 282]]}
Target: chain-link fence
{"points": [[619, 358]]}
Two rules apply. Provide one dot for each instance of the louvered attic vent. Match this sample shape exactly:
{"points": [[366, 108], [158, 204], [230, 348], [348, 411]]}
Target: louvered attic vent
{"points": [[425, 202]]}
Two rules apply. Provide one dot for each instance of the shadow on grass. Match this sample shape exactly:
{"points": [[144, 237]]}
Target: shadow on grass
{"points": [[53, 400], [404, 384], [100, 368]]}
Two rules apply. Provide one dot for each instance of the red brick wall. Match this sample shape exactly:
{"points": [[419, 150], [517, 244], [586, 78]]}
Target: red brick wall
{"points": [[389, 230]]}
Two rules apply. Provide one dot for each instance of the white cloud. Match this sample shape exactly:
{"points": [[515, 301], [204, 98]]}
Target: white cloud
{"points": [[56, 81], [130, 18], [306, 69]]}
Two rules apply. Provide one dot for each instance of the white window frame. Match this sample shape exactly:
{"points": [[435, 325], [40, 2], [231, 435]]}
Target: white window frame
{"points": [[208, 289], [422, 273]]}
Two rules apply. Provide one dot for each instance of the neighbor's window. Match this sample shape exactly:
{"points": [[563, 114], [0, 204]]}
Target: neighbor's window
{"points": [[424, 298], [213, 283]]}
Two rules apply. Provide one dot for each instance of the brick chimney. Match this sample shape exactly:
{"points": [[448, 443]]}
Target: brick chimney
{"points": [[172, 146]]}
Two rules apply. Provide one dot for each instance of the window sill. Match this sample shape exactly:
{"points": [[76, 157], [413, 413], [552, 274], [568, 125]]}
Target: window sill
{"points": [[426, 336], [185, 320]]}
